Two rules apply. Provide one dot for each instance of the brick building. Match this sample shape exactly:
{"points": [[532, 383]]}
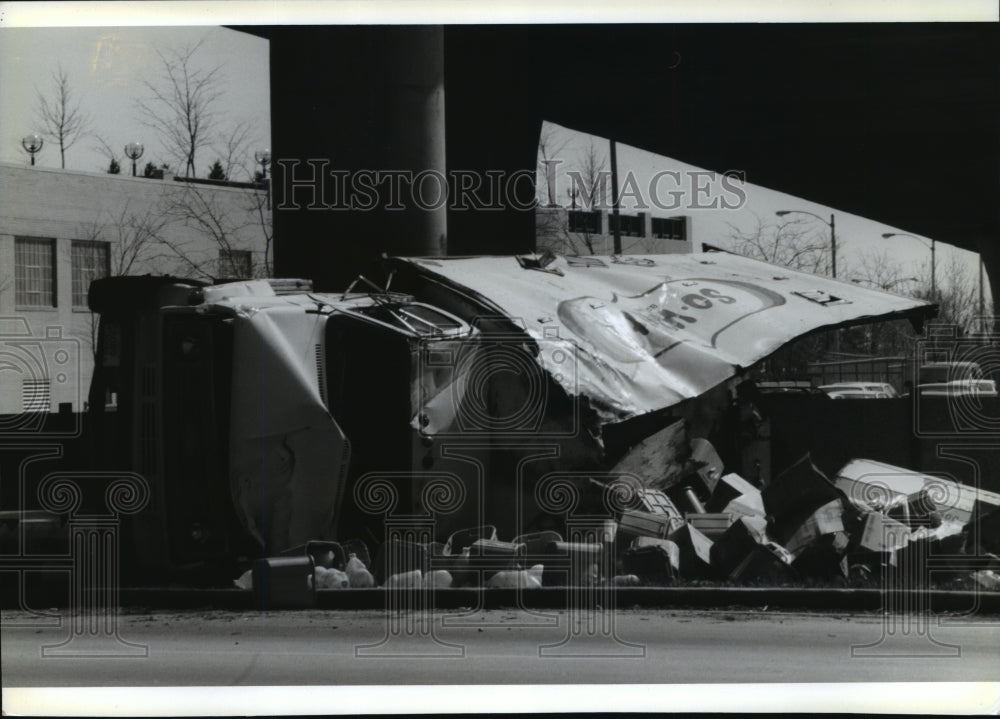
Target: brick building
{"points": [[60, 229]]}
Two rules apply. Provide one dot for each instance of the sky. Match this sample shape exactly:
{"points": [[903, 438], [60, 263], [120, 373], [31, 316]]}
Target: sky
{"points": [[858, 238], [106, 68]]}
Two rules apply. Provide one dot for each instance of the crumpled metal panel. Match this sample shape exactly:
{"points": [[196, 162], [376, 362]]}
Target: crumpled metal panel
{"points": [[877, 485], [651, 332], [287, 454]]}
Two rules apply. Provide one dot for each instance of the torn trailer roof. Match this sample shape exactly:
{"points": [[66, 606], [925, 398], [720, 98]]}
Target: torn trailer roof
{"points": [[629, 336], [646, 333]]}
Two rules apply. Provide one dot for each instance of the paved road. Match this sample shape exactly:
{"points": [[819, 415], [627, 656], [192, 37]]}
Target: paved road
{"points": [[499, 647]]}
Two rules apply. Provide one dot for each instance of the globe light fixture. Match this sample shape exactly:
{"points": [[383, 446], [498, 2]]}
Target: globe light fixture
{"points": [[133, 151], [32, 144]]}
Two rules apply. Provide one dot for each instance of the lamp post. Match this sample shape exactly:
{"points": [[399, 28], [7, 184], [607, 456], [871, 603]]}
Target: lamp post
{"points": [[887, 235], [133, 151], [833, 235], [616, 233], [32, 143], [833, 254], [263, 158]]}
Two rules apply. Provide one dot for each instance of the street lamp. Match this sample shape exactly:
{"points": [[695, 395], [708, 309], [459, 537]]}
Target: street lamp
{"points": [[887, 235], [32, 143], [263, 158], [833, 254], [833, 235], [133, 151]]}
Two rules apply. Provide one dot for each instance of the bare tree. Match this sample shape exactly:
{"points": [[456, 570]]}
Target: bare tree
{"points": [[226, 226], [550, 147], [555, 229], [552, 232], [233, 151], [132, 238], [60, 115], [104, 147], [879, 270], [796, 245], [258, 204], [589, 181], [957, 294], [181, 103], [789, 243]]}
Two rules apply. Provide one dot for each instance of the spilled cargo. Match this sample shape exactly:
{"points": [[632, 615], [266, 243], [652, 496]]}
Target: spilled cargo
{"points": [[562, 412]]}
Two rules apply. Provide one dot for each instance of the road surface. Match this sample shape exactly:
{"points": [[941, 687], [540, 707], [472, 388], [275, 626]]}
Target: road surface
{"points": [[218, 648]]}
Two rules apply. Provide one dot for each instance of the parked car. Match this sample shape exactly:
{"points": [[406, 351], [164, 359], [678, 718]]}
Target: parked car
{"points": [[786, 387], [934, 373], [960, 388], [860, 390]]}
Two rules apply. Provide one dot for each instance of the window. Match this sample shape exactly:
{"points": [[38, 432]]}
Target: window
{"points": [[631, 225], [585, 222], [34, 272], [90, 262], [670, 228], [235, 264]]}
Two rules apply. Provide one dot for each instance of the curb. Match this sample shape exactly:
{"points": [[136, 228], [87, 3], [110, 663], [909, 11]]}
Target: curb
{"points": [[962, 602]]}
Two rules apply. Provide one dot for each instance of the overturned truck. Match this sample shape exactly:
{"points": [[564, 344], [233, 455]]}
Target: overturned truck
{"points": [[466, 391]]}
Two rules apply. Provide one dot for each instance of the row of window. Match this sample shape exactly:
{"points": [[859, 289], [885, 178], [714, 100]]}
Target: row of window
{"points": [[589, 222], [35, 269]]}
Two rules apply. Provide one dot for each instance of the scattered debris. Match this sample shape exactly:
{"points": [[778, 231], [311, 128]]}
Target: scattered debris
{"points": [[438, 579], [358, 574], [517, 579], [245, 580], [330, 578], [801, 526], [405, 580], [654, 559], [712, 524]]}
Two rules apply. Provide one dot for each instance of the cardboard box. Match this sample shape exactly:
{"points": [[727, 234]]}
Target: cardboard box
{"points": [[656, 502], [652, 559], [801, 488], [712, 524], [463, 538], [916, 510], [284, 582], [745, 535], [646, 524], [882, 534], [730, 487], [827, 519], [695, 552], [711, 469]]}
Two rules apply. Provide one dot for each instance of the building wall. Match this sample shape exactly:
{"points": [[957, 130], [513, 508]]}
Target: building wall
{"points": [[554, 230], [56, 342]]}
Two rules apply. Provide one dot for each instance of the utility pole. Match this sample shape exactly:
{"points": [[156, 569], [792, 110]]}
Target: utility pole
{"points": [[982, 303], [833, 246], [616, 230]]}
